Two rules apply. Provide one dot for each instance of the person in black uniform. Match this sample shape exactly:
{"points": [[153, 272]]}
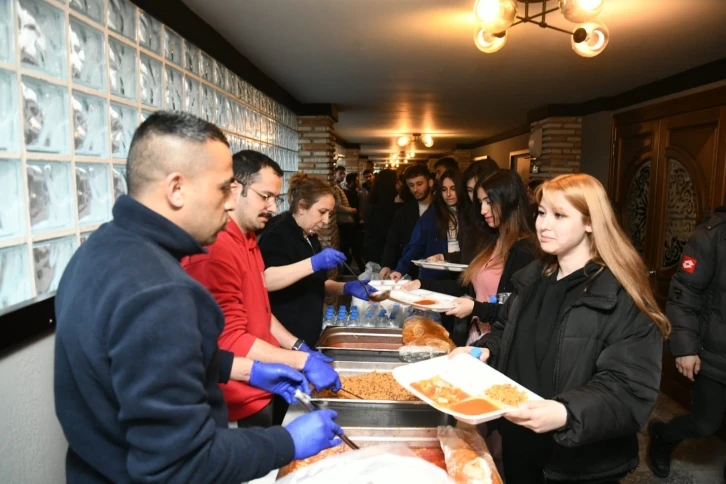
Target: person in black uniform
{"points": [[296, 263], [697, 309]]}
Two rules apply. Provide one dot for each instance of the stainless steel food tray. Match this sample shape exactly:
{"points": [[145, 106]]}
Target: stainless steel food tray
{"points": [[379, 413], [361, 344]]}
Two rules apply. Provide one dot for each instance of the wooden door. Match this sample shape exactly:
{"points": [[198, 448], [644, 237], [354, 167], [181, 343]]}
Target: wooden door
{"points": [[667, 176], [692, 187]]}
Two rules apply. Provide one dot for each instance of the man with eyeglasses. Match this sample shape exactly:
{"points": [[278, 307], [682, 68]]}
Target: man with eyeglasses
{"points": [[233, 271]]}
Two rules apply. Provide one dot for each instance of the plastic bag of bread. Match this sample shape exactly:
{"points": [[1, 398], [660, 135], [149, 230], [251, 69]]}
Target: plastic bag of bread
{"points": [[423, 339], [417, 326], [382, 464], [468, 460]]}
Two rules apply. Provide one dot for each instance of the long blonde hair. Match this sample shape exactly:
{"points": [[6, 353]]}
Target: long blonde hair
{"points": [[609, 246]]}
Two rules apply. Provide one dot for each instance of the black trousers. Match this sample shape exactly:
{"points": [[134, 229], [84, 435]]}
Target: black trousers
{"points": [[348, 241], [271, 414], [524, 461], [708, 405]]}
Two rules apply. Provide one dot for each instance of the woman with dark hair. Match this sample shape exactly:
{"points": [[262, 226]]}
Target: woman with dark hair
{"points": [[379, 214], [507, 245], [296, 264], [469, 211], [437, 230]]}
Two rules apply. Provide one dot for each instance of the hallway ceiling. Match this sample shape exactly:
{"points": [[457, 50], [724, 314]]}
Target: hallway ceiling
{"points": [[410, 66]]}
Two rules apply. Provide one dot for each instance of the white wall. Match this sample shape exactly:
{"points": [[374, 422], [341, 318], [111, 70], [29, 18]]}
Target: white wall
{"points": [[32, 445], [596, 133], [500, 150]]}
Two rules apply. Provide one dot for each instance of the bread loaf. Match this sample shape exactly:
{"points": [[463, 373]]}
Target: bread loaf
{"points": [[417, 326]]}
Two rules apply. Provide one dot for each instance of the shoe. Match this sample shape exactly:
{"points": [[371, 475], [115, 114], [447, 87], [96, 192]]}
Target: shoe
{"points": [[659, 451]]}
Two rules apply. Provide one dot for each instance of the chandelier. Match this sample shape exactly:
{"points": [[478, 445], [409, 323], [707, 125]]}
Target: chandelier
{"points": [[398, 158], [494, 17], [409, 143]]}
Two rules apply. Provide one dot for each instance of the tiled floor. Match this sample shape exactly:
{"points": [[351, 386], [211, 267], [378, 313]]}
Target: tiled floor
{"points": [[694, 462]]}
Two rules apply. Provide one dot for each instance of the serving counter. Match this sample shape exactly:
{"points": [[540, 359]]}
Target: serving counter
{"points": [[360, 351]]}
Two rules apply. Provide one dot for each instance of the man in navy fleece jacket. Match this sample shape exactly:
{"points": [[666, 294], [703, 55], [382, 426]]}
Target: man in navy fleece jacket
{"points": [[137, 365]]}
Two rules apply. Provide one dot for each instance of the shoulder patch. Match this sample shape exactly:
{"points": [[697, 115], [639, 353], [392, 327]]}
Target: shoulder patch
{"points": [[689, 264]]}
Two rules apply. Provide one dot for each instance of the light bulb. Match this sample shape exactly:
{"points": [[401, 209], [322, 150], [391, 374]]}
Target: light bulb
{"points": [[403, 141], [581, 10], [427, 140], [495, 15], [590, 39], [487, 42]]}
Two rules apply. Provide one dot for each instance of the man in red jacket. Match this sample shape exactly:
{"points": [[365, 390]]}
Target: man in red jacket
{"points": [[233, 271]]}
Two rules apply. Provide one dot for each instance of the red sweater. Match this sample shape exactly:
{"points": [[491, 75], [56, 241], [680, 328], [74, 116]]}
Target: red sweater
{"points": [[233, 271]]}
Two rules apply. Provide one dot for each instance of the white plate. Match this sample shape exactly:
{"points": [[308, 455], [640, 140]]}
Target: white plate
{"points": [[462, 371], [443, 302], [441, 266], [388, 284]]}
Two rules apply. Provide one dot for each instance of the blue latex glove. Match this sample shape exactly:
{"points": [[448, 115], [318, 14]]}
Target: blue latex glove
{"points": [[321, 375], [355, 289], [317, 354], [279, 379], [314, 432], [327, 259]]}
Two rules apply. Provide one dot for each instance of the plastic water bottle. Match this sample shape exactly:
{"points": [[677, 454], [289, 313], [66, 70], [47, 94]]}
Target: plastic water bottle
{"points": [[353, 315], [329, 318], [369, 319], [503, 296], [400, 315], [382, 320], [353, 319], [342, 316]]}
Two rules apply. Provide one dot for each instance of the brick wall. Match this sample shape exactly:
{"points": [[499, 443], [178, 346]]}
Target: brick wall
{"points": [[561, 146], [353, 161], [316, 141]]}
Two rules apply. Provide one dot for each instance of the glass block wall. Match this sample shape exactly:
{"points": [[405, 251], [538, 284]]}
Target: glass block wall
{"points": [[76, 79]]}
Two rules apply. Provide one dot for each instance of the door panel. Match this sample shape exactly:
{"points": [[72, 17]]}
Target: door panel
{"points": [[634, 179], [671, 171]]}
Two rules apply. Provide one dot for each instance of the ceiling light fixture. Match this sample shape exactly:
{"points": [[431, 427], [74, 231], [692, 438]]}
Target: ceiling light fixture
{"points": [[410, 140], [494, 17]]}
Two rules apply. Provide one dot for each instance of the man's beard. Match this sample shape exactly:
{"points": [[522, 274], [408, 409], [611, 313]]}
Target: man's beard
{"points": [[424, 196]]}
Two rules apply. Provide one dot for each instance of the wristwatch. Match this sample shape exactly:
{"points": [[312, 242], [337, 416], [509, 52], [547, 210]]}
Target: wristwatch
{"points": [[298, 344]]}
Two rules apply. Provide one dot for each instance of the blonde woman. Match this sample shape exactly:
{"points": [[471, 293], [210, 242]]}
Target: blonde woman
{"points": [[583, 330]]}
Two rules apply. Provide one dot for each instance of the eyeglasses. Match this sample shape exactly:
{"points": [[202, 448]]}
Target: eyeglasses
{"points": [[270, 200]]}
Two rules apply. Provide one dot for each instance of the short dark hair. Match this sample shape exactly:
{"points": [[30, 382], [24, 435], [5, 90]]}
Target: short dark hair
{"points": [[367, 171], [340, 168], [248, 163], [418, 169], [146, 163], [350, 177], [448, 163]]}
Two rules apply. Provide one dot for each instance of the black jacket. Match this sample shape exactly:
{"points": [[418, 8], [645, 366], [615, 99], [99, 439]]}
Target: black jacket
{"points": [[399, 233], [298, 307], [607, 374], [378, 218], [520, 255], [697, 298], [137, 366]]}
